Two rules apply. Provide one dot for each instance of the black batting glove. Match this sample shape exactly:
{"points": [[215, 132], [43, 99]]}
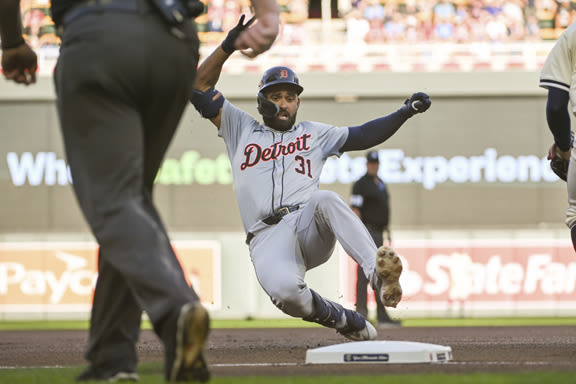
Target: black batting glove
{"points": [[417, 103], [228, 43]]}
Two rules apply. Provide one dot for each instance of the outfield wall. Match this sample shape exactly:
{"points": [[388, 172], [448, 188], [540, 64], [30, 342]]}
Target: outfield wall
{"points": [[468, 181]]}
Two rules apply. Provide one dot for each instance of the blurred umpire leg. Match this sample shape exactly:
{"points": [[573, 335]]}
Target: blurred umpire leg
{"points": [[107, 87], [115, 335]]}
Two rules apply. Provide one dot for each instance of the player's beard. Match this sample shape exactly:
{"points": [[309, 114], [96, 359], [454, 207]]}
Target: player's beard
{"points": [[280, 125]]}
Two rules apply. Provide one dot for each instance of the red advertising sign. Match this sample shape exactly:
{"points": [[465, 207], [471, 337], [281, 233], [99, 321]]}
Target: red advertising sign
{"points": [[487, 274]]}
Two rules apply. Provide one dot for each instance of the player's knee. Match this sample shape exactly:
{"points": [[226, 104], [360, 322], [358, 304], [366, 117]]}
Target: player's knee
{"points": [[289, 300], [326, 197], [284, 298]]}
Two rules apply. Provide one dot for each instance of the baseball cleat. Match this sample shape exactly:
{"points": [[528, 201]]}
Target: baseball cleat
{"points": [[387, 276], [91, 374], [124, 377], [193, 327], [357, 328]]}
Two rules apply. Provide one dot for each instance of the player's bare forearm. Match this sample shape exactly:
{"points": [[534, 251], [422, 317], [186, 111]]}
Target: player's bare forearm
{"points": [[210, 69], [10, 23]]}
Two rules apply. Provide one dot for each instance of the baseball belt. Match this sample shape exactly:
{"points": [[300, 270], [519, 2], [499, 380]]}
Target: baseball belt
{"points": [[274, 218], [189, 8], [95, 6]]}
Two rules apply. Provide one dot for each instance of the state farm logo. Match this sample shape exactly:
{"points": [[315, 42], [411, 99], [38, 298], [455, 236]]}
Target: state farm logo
{"points": [[528, 274], [36, 276], [495, 274]]}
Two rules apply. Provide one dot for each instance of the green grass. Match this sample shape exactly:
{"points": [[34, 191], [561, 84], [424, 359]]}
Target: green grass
{"points": [[297, 323], [150, 374]]}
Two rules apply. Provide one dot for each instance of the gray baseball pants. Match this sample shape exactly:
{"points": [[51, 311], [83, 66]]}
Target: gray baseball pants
{"points": [[302, 240]]}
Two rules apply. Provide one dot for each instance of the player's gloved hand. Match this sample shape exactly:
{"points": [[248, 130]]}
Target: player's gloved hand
{"points": [[559, 161], [417, 103], [228, 43]]}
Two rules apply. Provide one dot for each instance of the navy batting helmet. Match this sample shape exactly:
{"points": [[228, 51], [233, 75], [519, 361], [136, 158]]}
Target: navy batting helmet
{"points": [[279, 75]]}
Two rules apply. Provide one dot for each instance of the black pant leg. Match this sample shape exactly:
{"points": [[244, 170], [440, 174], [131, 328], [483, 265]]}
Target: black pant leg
{"points": [[114, 323], [361, 292], [109, 67]]}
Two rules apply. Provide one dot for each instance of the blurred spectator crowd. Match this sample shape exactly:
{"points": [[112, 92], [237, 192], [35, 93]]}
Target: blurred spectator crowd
{"points": [[459, 21], [39, 30], [371, 21]]}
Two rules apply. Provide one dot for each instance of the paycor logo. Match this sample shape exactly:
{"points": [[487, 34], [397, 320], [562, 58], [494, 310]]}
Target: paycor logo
{"points": [[39, 276], [58, 275], [44, 168]]}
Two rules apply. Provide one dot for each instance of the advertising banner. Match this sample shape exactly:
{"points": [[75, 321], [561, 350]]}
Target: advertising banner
{"points": [[481, 275], [60, 277]]}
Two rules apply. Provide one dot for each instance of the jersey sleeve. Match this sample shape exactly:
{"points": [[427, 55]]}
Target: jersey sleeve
{"points": [[330, 138], [559, 66], [233, 122]]}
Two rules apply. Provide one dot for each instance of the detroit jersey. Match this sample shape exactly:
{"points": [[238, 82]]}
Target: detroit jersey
{"points": [[559, 70], [274, 169]]}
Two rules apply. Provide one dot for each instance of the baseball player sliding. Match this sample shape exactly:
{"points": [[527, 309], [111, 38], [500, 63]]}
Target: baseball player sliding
{"points": [[291, 225]]}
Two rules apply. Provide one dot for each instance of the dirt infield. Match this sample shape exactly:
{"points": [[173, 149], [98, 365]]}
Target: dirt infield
{"points": [[270, 352]]}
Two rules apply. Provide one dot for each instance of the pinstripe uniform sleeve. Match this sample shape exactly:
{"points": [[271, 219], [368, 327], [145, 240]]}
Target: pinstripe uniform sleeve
{"points": [[559, 70]]}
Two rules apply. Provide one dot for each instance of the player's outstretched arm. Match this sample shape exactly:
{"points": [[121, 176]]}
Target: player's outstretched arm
{"points": [[207, 100], [379, 130], [211, 68], [19, 62]]}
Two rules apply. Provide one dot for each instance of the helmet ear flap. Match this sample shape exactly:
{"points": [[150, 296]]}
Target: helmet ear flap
{"points": [[265, 107]]}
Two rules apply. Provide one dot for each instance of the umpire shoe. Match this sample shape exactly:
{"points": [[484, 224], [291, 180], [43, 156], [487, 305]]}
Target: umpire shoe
{"points": [[91, 374], [385, 280], [357, 328], [191, 333]]}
